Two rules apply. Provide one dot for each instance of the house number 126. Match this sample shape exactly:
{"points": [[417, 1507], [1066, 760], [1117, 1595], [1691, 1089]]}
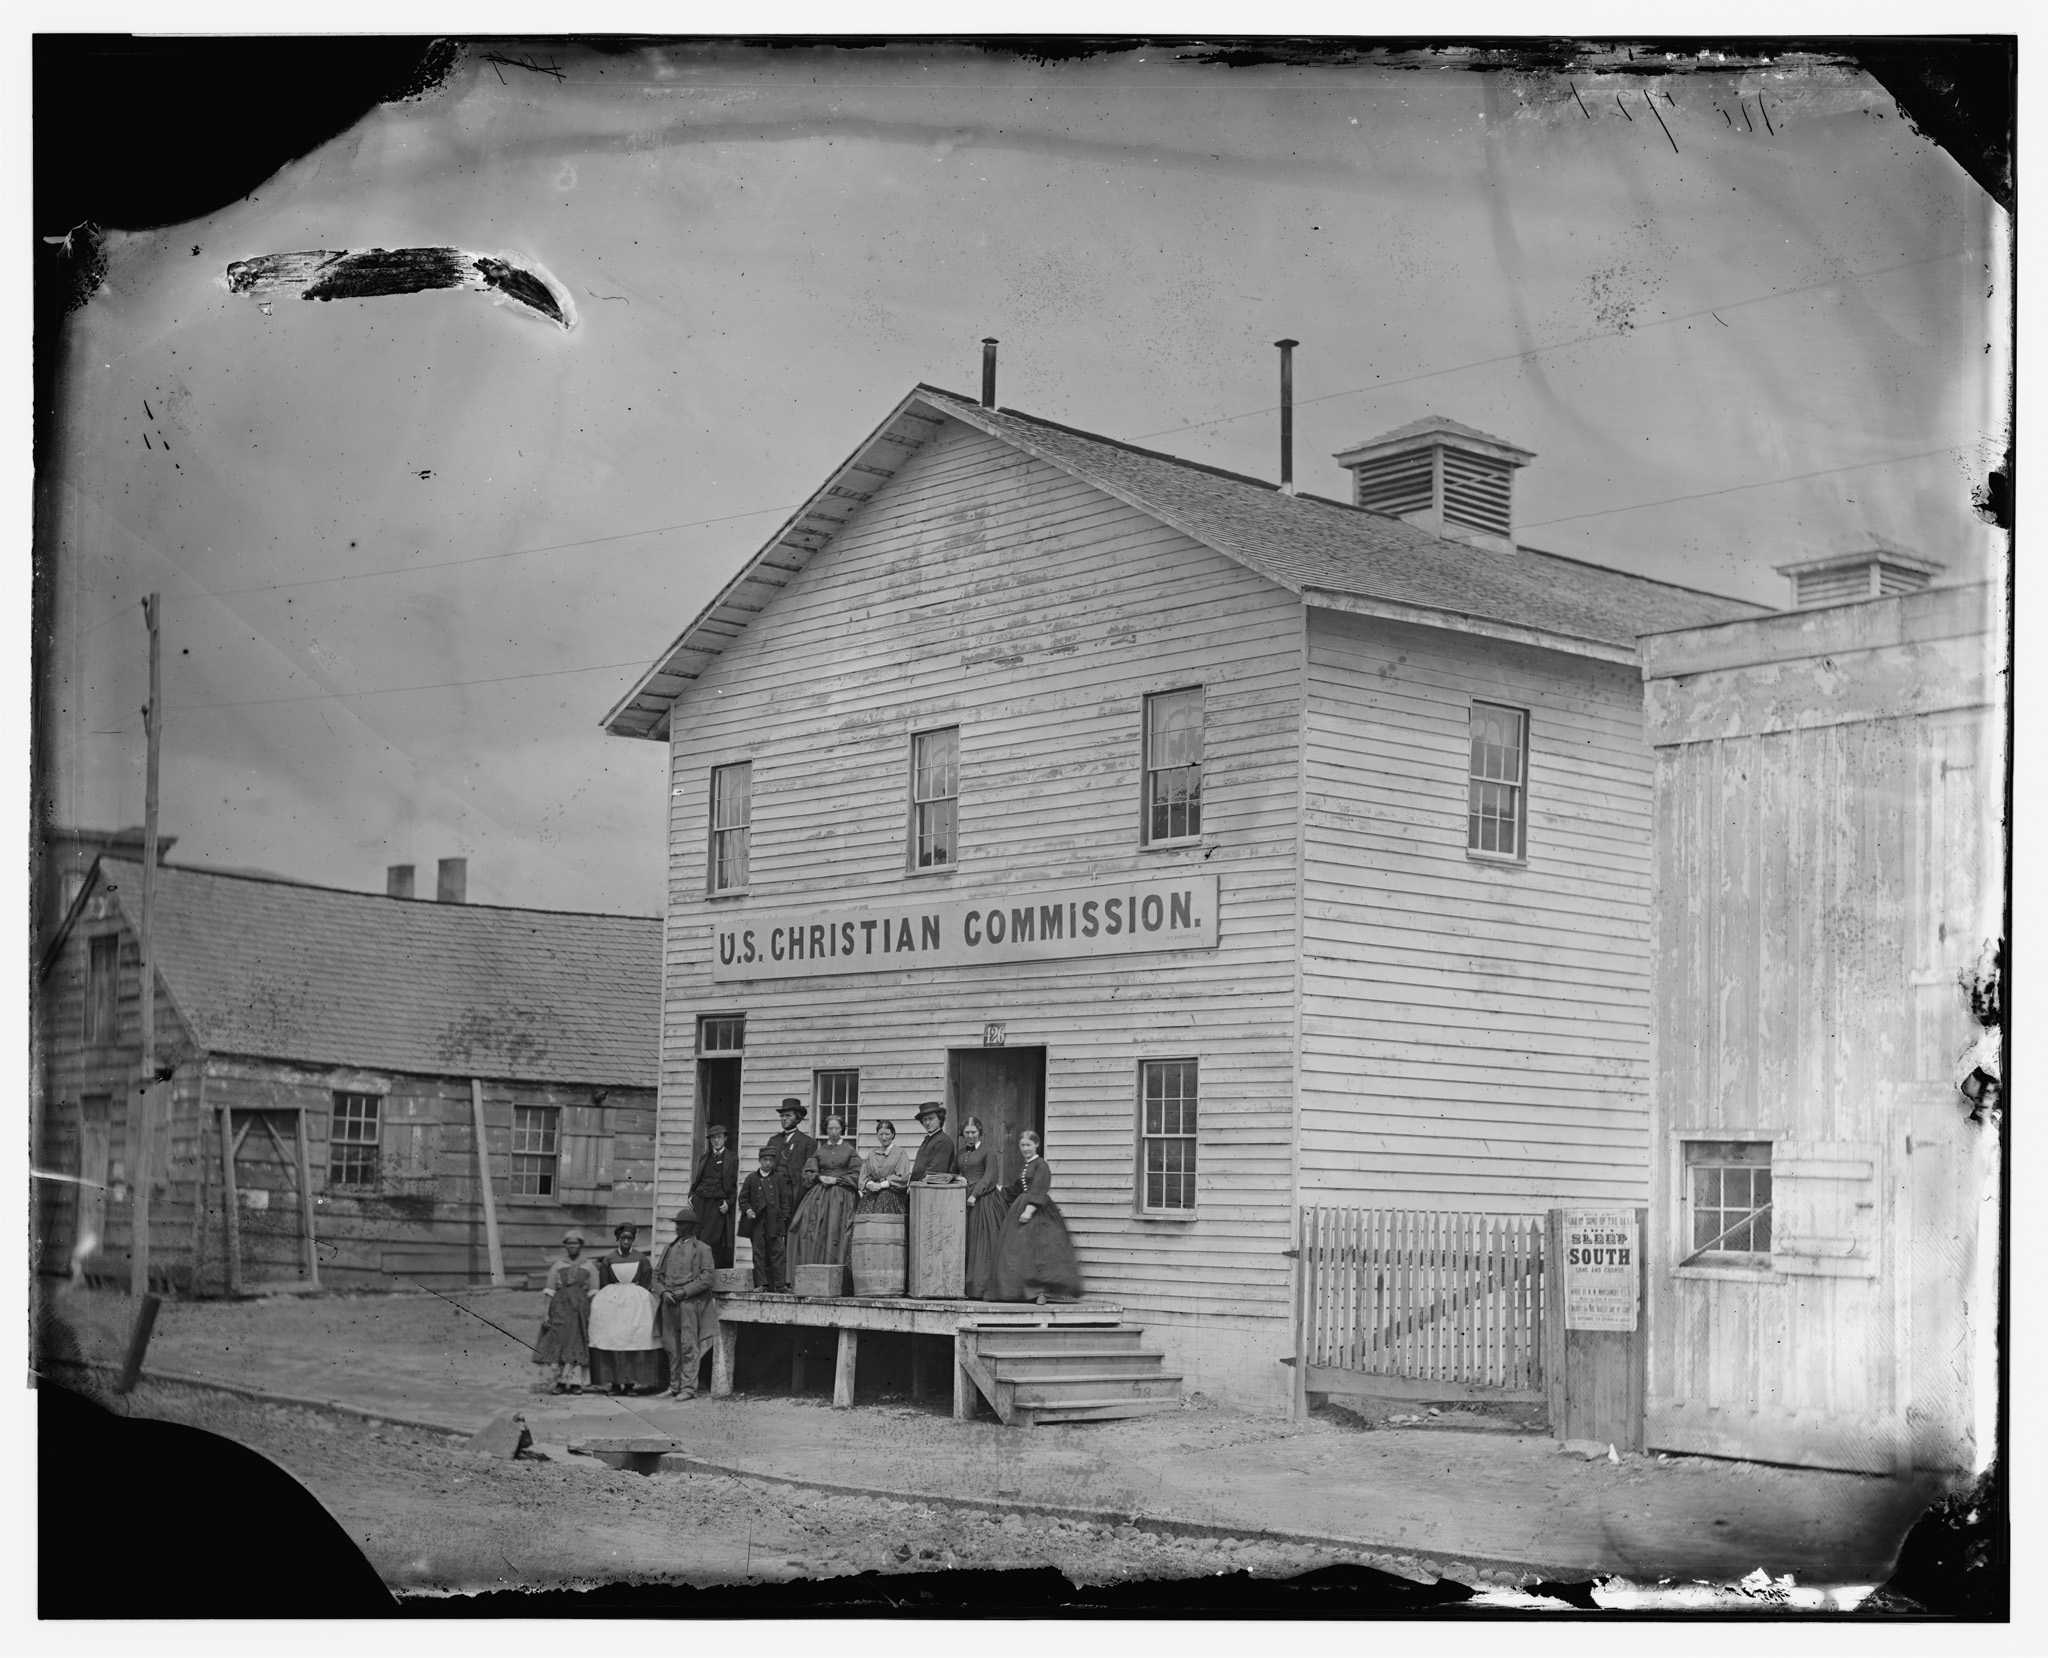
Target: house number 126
{"points": [[994, 1036]]}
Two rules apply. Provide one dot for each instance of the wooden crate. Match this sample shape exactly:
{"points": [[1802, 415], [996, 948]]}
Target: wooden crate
{"points": [[724, 1280], [827, 1279]]}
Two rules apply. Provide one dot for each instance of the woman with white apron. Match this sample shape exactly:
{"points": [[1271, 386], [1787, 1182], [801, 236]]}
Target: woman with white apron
{"points": [[625, 1346]]}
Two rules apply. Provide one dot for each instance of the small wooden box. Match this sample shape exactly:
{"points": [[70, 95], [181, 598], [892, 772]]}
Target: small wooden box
{"points": [[724, 1280], [827, 1279]]}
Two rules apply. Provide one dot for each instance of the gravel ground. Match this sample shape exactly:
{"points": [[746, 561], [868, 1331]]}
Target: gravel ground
{"points": [[434, 1517]]}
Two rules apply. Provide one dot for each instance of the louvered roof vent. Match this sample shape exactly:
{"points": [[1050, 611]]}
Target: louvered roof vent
{"points": [[1450, 479], [1876, 571]]}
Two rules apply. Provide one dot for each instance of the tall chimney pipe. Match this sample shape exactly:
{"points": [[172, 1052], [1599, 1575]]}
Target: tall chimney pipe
{"points": [[451, 881], [398, 881], [988, 373], [1287, 414]]}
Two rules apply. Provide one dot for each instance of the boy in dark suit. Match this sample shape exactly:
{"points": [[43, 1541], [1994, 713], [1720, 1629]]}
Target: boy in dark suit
{"points": [[763, 1221]]}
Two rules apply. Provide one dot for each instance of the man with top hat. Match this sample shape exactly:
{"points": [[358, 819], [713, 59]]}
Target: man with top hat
{"points": [[689, 1317], [794, 1150], [936, 1155], [714, 1192]]}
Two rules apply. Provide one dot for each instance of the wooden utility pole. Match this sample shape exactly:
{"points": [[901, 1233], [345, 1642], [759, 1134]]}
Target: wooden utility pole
{"points": [[483, 1181], [145, 1100]]}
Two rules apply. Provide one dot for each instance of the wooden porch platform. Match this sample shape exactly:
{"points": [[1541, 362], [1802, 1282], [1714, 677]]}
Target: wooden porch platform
{"points": [[895, 1315]]}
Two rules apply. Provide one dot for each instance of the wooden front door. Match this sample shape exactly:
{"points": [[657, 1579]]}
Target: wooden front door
{"points": [[95, 1174], [270, 1196], [1005, 1088]]}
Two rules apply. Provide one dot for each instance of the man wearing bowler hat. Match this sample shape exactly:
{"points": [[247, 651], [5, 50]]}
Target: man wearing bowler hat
{"points": [[794, 1150], [935, 1155]]}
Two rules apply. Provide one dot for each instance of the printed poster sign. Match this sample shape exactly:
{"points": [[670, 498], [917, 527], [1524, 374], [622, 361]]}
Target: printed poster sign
{"points": [[1602, 1268], [1096, 918]]}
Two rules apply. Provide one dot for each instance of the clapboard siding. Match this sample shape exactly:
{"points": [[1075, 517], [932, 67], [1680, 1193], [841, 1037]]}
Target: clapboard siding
{"points": [[984, 589], [1473, 1035]]}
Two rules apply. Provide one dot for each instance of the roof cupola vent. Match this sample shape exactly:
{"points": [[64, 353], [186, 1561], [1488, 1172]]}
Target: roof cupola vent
{"points": [[1876, 570], [1449, 479]]}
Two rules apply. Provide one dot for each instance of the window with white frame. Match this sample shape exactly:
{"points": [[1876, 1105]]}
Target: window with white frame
{"points": [[352, 1136], [732, 817], [1496, 809], [836, 1094], [1727, 1196], [1173, 765], [536, 1149], [935, 798], [1167, 1090]]}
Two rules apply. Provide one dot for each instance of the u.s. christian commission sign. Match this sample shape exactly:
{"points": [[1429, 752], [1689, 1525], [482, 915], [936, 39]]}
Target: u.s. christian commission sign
{"points": [[1100, 918]]}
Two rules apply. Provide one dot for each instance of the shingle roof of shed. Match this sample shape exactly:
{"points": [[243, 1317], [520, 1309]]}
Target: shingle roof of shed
{"points": [[277, 970], [1305, 543]]}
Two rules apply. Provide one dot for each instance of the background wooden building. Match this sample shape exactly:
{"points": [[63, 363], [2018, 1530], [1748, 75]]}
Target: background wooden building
{"points": [[1822, 1247], [1000, 671], [332, 1054]]}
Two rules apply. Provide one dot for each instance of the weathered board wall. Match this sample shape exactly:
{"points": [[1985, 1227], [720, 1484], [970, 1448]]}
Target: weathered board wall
{"points": [[73, 1071], [985, 589], [1475, 1033], [1828, 802]]}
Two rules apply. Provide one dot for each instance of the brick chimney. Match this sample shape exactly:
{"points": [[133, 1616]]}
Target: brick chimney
{"points": [[1449, 479], [451, 881], [1876, 571]]}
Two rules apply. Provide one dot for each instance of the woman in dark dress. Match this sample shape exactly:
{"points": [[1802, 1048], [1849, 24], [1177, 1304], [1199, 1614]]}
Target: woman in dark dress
{"points": [[1035, 1260], [986, 1207], [823, 1229], [564, 1343]]}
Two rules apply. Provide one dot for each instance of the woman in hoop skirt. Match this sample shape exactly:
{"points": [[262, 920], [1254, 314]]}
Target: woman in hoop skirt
{"points": [[986, 1207], [1035, 1261], [822, 1231]]}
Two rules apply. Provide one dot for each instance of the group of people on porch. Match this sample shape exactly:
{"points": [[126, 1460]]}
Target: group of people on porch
{"points": [[628, 1323]]}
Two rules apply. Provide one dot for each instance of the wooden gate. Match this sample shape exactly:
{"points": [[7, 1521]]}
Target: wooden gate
{"points": [[1418, 1305]]}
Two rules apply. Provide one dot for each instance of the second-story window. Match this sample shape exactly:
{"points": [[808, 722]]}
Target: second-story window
{"points": [[103, 988], [935, 798], [1173, 765], [732, 818]]}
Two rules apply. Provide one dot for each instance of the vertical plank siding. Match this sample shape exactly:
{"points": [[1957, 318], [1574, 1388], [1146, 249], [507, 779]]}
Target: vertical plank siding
{"points": [[984, 589], [1475, 1034], [1826, 870], [1426, 1295]]}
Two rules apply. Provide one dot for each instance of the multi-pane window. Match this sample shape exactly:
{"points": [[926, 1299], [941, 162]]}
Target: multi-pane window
{"points": [[103, 988], [732, 817], [1173, 765], [836, 1094], [935, 798], [721, 1034], [1166, 1132], [352, 1140], [1727, 1198], [1495, 810], [536, 1149]]}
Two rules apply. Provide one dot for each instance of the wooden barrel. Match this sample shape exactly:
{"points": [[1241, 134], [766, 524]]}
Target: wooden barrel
{"points": [[877, 1254]]}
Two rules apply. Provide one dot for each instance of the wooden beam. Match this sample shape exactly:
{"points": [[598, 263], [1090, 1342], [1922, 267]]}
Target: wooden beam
{"points": [[963, 1383], [306, 1199], [724, 1359], [492, 1247], [231, 1219], [842, 1372]]}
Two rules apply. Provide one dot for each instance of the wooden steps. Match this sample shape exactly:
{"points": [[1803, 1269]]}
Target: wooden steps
{"points": [[1066, 1372]]}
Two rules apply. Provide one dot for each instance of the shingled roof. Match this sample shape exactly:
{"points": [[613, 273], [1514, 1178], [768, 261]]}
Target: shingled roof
{"points": [[276, 970], [1324, 550]]}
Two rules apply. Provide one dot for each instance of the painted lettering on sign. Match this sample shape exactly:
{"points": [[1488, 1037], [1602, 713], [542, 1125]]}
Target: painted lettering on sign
{"points": [[1602, 1269], [1124, 918]]}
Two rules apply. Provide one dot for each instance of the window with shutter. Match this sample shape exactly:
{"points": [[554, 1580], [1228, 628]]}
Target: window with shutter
{"points": [[585, 1174], [1827, 1194], [412, 1143]]}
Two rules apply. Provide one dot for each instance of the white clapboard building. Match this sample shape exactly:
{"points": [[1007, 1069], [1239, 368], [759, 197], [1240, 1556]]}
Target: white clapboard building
{"points": [[1262, 849]]}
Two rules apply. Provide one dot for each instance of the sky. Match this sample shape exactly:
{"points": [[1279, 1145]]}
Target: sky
{"points": [[412, 549]]}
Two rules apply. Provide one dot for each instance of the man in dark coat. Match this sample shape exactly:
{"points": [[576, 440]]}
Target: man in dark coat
{"points": [[713, 1194], [794, 1150], [689, 1317], [763, 1222], [936, 1155]]}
